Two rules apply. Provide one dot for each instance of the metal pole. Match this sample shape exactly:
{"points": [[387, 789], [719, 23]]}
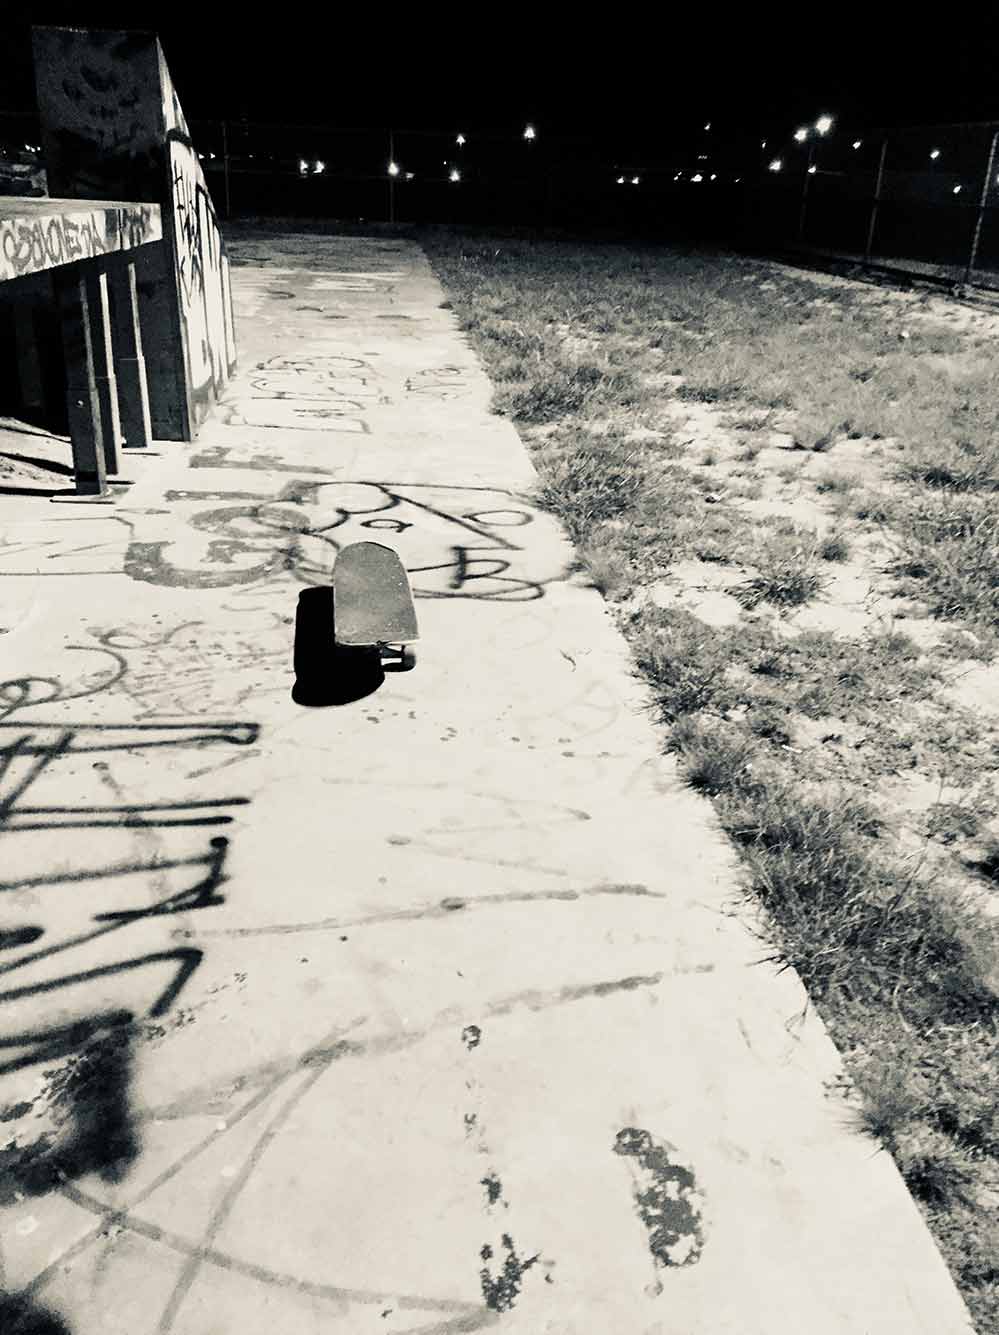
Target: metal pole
{"points": [[225, 167], [876, 201], [804, 192], [391, 177], [981, 206]]}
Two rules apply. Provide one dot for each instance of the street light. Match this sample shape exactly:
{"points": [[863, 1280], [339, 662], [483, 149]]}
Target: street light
{"points": [[620, 180], [460, 140], [934, 154], [697, 177], [393, 169], [776, 165], [455, 174], [812, 170], [319, 167], [708, 126], [801, 135], [824, 124], [634, 180], [857, 143], [529, 132]]}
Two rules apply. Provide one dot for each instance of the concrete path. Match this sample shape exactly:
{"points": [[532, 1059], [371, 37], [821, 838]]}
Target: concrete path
{"points": [[444, 1012]]}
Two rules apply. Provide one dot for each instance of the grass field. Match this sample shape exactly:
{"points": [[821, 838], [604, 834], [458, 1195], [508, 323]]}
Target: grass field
{"points": [[786, 485]]}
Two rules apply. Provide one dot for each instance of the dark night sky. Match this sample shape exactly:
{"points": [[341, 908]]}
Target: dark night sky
{"points": [[635, 79]]}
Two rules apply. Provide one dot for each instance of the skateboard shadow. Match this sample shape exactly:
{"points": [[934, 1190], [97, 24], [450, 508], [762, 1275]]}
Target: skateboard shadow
{"points": [[327, 673]]}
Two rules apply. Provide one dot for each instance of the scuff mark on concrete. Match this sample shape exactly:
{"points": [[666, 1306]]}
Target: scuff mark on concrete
{"points": [[500, 1291], [666, 1198], [471, 1036]]}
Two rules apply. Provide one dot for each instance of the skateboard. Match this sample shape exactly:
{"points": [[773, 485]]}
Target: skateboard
{"points": [[373, 602]]}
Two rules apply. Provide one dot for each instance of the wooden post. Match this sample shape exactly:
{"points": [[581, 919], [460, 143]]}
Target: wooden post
{"points": [[130, 364], [104, 373], [82, 401]]}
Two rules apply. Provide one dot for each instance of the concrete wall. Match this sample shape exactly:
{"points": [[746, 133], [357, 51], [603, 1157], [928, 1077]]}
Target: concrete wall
{"points": [[112, 128]]}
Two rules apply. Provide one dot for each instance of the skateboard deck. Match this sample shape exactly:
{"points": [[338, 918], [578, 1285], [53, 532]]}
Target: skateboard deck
{"points": [[372, 600]]}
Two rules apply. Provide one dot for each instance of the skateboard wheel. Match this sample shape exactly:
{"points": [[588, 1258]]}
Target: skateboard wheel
{"points": [[407, 659]]}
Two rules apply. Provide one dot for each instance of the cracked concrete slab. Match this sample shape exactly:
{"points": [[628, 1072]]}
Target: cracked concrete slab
{"points": [[432, 1011]]}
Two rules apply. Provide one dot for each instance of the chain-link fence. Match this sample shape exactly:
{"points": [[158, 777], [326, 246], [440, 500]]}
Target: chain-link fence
{"points": [[924, 200]]}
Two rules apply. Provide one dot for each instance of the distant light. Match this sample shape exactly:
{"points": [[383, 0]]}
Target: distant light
{"points": [[319, 166], [763, 144], [776, 165], [303, 167], [738, 179], [212, 156], [934, 154], [455, 174], [956, 190], [714, 177], [708, 126], [460, 140], [702, 157], [857, 143], [393, 169], [201, 157], [801, 135], [812, 171], [620, 180], [409, 176], [824, 124], [529, 132], [634, 180], [677, 177], [697, 177]]}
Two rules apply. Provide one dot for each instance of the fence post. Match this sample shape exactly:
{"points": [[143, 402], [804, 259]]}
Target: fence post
{"points": [[876, 200], [973, 255], [225, 167], [804, 192], [391, 177]]}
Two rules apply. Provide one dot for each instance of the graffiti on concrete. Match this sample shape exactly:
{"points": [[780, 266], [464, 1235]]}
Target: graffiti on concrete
{"points": [[319, 393], [455, 542], [33, 239], [440, 383], [84, 971]]}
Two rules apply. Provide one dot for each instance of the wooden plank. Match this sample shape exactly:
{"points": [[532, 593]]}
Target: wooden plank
{"points": [[130, 364], [82, 402], [40, 234]]}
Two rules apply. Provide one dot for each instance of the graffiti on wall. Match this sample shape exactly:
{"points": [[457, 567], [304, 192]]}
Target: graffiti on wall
{"points": [[202, 277], [114, 128], [32, 239]]}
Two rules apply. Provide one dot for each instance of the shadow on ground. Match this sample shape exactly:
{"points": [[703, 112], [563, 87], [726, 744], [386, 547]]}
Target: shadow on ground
{"points": [[327, 673]]}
